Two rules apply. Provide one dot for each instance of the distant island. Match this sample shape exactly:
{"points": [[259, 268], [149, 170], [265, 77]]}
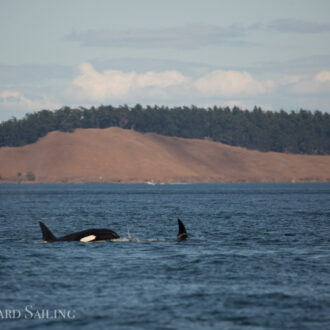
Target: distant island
{"points": [[116, 155], [302, 132]]}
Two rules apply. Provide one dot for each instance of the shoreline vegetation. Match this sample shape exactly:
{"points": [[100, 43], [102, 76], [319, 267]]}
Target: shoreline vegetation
{"points": [[302, 132]]}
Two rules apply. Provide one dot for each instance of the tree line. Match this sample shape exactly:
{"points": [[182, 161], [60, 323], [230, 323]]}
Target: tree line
{"points": [[294, 132]]}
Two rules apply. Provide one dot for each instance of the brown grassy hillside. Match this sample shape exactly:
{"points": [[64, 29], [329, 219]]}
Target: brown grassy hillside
{"points": [[117, 155]]}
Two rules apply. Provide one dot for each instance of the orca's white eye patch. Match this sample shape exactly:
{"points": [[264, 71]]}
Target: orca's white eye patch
{"points": [[88, 238]]}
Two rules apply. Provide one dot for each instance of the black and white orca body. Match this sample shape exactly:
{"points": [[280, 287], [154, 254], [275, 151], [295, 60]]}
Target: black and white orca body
{"points": [[94, 235], [89, 235]]}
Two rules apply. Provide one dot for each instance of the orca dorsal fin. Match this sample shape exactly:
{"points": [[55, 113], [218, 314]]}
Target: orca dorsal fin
{"points": [[47, 235], [182, 234]]}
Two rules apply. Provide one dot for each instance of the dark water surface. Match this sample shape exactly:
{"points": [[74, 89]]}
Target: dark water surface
{"points": [[258, 257]]}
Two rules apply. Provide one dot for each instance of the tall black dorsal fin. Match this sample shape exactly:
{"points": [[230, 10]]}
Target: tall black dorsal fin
{"points": [[182, 234], [47, 235]]}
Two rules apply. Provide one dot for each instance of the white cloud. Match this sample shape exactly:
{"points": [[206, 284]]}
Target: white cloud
{"points": [[323, 76], [169, 87], [161, 79], [11, 99], [318, 84], [114, 85], [231, 83], [98, 86], [118, 85], [14, 98], [291, 79]]}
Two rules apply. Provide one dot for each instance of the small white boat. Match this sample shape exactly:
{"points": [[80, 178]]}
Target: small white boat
{"points": [[152, 182]]}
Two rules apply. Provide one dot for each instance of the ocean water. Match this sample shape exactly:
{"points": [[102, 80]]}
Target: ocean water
{"points": [[257, 257]]}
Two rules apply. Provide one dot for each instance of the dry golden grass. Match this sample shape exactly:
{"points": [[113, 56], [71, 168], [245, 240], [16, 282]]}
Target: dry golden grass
{"points": [[117, 155]]}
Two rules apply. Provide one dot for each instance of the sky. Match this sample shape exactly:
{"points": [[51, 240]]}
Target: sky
{"points": [[267, 53]]}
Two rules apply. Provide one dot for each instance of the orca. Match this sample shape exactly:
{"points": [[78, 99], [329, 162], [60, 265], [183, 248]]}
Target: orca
{"points": [[89, 235], [182, 234], [94, 235]]}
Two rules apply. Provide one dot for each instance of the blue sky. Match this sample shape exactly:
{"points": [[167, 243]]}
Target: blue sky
{"points": [[273, 54]]}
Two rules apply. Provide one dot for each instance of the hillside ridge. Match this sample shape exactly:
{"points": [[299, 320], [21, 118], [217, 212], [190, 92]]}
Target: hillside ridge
{"points": [[120, 155]]}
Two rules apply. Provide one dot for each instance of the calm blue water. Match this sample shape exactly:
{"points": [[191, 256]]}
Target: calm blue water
{"points": [[258, 257]]}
